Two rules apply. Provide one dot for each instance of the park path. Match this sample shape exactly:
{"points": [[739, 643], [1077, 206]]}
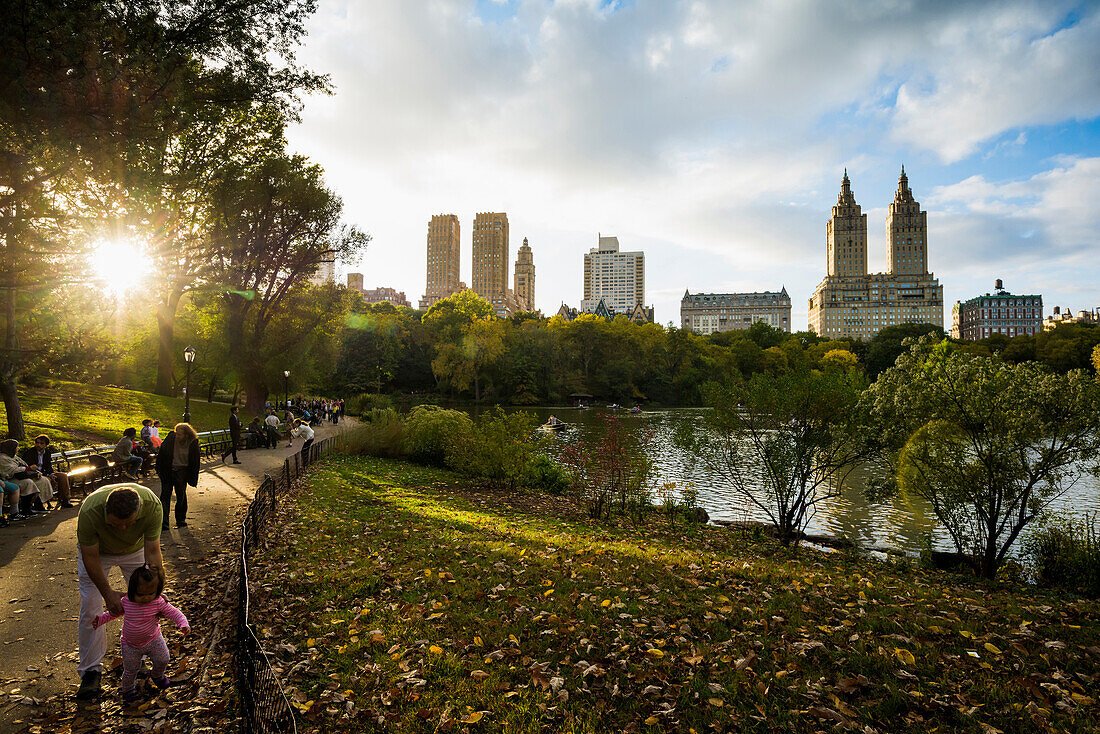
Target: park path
{"points": [[39, 602]]}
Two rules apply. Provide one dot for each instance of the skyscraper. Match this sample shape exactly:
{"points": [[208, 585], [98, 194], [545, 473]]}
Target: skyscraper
{"points": [[490, 255], [849, 302], [524, 283], [616, 277], [846, 235], [443, 259]]}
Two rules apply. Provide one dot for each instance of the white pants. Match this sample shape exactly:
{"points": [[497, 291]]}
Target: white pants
{"points": [[40, 486], [93, 642]]}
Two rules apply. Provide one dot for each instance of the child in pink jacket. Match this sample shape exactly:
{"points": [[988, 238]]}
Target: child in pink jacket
{"points": [[142, 608]]}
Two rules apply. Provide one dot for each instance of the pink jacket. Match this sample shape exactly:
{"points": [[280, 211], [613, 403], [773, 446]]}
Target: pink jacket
{"points": [[141, 622]]}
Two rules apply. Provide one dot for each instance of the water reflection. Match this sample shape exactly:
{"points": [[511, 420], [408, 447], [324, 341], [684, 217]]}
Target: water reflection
{"points": [[901, 522]]}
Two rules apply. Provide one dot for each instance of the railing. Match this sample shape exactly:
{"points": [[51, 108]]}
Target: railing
{"points": [[264, 708]]}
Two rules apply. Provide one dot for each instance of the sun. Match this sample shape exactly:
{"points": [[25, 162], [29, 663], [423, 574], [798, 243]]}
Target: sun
{"points": [[120, 265]]}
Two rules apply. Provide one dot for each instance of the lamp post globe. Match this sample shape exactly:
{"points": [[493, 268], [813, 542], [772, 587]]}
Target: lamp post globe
{"points": [[286, 389], [189, 357]]}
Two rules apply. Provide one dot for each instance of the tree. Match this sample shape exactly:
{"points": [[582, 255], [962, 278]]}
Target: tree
{"points": [[1096, 358], [85, 85], [990, 445], [466, 361], [275, 223], [785, 443], [888, 344]]}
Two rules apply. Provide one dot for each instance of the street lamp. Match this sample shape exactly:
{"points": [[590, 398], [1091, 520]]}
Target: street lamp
{"points": [[286, 389], [189, 357]]}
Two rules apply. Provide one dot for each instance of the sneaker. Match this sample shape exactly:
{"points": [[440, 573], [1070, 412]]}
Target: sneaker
{"points": [[17, 517], [89, 686], [181, 524], [131, 696], [161, 682], [129, 476], [66, 505], [238, 462]]}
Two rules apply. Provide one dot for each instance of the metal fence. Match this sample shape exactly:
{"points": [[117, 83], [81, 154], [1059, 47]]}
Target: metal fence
{"points": [[264, 708]]}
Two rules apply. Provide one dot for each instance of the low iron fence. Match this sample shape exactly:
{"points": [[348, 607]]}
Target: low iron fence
{"points": [[264, 707]]}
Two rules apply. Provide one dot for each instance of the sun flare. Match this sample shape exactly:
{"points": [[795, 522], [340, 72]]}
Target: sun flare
{"points": [[121, 266]]}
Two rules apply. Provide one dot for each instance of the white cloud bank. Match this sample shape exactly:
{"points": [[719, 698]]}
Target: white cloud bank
{"points": [[710, 134]]}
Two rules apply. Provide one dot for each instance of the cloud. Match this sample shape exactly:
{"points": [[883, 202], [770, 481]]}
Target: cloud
{"points": [[713, 132], [1011, 67]]}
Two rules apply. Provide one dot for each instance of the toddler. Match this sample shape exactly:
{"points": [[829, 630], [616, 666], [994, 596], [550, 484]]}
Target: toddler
{"points": [[142, 607]]}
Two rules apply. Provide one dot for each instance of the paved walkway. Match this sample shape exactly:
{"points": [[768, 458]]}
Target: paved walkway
{"points": [[39, 602]]}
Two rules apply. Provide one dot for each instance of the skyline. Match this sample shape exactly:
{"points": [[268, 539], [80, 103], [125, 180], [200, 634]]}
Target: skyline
{"points": [[714, 138]]}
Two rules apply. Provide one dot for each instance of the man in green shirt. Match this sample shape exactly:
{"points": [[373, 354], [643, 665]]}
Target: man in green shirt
{"points": [[118, 525]]}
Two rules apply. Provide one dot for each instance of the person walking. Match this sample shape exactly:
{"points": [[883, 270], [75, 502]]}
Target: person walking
{"points": [[178, 466], [234, 434], [118, 525]]}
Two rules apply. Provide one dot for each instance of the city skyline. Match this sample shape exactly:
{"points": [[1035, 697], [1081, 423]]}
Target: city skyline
{"points": [[628, 117]]}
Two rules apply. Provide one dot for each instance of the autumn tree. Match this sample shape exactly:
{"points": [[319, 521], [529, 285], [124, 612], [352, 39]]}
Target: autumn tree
{"points": [[990, 445]]}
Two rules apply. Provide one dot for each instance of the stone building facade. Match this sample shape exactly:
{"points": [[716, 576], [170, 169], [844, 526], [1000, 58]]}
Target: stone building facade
{"points": [[852, 303], [444, 250], [524, 277], [999, 312], [1066, 316], [707, 313]]}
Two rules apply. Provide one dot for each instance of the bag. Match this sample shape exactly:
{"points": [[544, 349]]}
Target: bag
{"points": [[155, 441]]}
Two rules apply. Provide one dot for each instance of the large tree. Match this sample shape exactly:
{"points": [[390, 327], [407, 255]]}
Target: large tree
{"points": [[275, 224], [83, 85], [989, 444]]}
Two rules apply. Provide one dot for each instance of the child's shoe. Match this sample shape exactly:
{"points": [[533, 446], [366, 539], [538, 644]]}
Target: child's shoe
{"points": [[162, 682], [131, 696]]}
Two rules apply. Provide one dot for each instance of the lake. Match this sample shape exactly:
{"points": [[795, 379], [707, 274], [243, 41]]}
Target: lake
{"points": [[900, 523]]}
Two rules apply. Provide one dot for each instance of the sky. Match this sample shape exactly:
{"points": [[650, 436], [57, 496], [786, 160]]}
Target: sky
{"points": [[713, 135]]}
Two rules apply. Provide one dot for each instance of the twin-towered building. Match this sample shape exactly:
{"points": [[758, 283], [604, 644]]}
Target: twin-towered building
{"points": [[490, 263], [852, 303]]}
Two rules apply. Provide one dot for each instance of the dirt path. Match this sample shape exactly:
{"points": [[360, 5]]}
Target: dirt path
{"points": [[39, 602]]}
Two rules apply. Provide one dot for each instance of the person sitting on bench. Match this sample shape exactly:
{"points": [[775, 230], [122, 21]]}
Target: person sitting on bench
{"points": [[124, 454], [34, 489], [41, 456]]}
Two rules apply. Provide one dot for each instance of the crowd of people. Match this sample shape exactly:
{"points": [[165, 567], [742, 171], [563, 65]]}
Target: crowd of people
{"points": [[32, 482]]}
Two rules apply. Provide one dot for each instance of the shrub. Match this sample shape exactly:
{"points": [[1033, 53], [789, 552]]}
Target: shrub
{"points": [[382, 433], [364, 403], [1065, 553], [613, 468], [430, 431], [543, 473], [499, 450]]}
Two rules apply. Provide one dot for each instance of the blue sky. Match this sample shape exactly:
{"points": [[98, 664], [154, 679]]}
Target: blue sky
{"points": [[713, 135]]}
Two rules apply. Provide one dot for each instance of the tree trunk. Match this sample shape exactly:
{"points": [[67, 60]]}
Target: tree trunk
{"points": [[166, 327], [12, 409]]}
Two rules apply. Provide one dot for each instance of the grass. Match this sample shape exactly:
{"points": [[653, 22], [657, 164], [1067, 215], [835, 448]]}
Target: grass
{"points": [[76, 410], [397, 596]]}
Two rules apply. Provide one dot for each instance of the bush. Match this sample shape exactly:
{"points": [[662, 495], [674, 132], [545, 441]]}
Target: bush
{"points": [[612, 469], [381, 433], [500, 448], [430, 431], [1065, 553], [364, 403], [542, 473]]}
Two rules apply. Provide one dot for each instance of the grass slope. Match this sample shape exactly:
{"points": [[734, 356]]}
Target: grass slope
{"points": [[106, 412], [394, 596]]}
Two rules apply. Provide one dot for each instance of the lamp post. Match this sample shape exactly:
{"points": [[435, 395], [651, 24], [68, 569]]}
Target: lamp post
{"points": [[286, 389], [189, 357]]}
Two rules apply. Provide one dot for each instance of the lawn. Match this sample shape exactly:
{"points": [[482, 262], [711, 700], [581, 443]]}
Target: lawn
{"points": [[396, 596], [72, 409]]}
